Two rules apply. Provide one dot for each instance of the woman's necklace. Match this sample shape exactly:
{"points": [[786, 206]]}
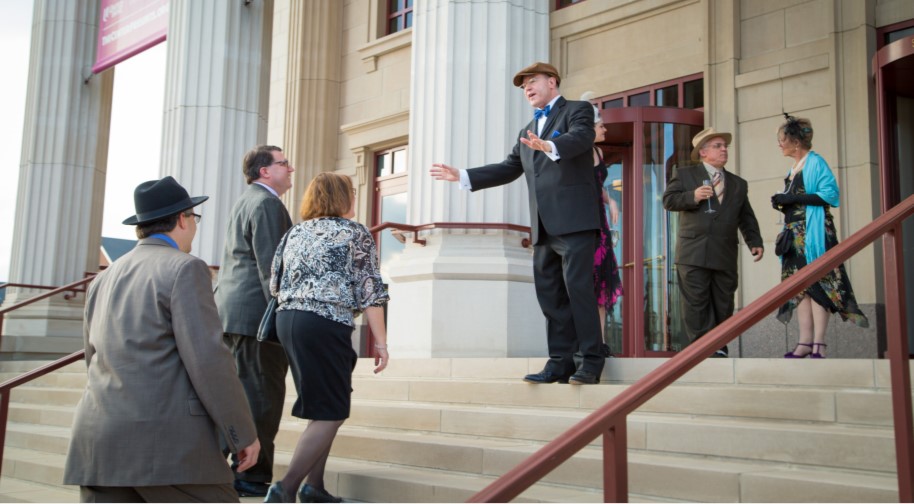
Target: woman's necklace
{"points": [[798, 166]]}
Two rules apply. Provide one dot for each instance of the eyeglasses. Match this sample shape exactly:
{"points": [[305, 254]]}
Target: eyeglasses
{"points": [[195, 216], [717, 146], [284, 163], [526, 83]]}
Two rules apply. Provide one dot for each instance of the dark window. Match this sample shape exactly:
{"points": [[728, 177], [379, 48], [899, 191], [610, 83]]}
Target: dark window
{"points": [[400, 15], [898, 35], [640, 99], [693, 94], [391, 162], [667, 97], [685, 92], [559, 4]]}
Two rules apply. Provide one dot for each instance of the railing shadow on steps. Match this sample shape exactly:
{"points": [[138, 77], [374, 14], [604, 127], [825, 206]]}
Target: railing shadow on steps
{"points": [[610, 419], [6, 388]]}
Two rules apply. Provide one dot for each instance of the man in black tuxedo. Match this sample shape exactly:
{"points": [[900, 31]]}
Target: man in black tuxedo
{"points": [[565, 209], [707, 247]]}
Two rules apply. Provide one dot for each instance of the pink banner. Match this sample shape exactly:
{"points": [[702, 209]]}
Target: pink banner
{"points": [[127, 28]]}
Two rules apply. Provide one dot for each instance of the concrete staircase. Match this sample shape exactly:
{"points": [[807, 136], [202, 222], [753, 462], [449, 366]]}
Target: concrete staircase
{"points": [[439, 430]]}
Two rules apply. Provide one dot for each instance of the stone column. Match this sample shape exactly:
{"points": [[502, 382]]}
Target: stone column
{"points": [[305, 88], [216, 97], [62, 172], [465, 112]]}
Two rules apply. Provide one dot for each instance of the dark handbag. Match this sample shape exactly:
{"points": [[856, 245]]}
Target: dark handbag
{"points": [[266, 331], [782, 242]]}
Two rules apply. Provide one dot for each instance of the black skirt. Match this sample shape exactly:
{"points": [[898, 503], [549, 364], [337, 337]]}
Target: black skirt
{"points": [[321, 359]]}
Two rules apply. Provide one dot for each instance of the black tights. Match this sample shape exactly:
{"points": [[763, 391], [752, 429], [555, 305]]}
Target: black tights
{"points": [[310, 456]]}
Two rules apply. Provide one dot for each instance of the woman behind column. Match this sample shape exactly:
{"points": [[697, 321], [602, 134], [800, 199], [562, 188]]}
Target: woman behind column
{"points": [[329, 275], [606, 279], [810, 190]]}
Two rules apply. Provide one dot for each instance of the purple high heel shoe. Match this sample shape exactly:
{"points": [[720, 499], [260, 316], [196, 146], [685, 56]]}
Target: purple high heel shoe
{"points": [[792, 355], [817, 355]]}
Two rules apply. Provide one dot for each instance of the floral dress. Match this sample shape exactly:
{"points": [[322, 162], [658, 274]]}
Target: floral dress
{"points": [[833, 291], [606, 280]]}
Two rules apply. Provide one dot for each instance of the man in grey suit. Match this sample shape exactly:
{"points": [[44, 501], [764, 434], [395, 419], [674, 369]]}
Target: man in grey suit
{"points": [[707, 247], [257, 223], [161, 385], [565, 208]]}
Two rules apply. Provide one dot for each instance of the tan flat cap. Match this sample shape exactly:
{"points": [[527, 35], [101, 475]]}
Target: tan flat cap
{"points": [[537, 68], [703, 136]]}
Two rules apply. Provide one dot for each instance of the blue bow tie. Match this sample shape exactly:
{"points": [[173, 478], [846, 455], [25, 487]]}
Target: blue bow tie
{"points": [[541, 113]]}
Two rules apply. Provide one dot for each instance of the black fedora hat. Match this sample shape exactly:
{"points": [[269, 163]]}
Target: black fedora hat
{"points": [[156, 199]]}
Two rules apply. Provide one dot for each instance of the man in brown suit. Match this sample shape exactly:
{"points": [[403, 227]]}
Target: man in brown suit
{"points": [[707, 247], [161, 384]]}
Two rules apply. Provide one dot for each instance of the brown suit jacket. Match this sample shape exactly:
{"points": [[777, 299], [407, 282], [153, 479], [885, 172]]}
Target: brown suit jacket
{"points": [[710, 240], [161, 384]]}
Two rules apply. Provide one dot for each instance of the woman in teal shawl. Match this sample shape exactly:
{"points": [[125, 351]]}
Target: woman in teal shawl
{"points": [[810, 190]]}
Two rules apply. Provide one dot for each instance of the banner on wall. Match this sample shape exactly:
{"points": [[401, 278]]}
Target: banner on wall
{"points": [[127, 28]]}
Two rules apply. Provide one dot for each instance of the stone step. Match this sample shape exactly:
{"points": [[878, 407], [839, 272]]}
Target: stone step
{"points": [[844, 373], [42, 414], [737, 438], [18, 490], [47, 395], [866, 406], [870, 449], [652, 478]]}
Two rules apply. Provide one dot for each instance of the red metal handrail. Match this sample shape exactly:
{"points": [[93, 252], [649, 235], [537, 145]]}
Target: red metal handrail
{"points": [[610, 419], [74, 288], [452, 225], [6, 388]]}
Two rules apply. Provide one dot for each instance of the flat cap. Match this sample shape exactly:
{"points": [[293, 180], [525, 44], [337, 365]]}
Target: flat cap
{"points": [[537, 68]]}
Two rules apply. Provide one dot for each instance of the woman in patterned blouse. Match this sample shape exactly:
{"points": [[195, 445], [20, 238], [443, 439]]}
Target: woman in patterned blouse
{"points": [[329, 275]]}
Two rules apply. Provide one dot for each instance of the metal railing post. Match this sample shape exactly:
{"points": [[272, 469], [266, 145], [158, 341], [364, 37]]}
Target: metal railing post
{"points": [[4, 414], [615, 462], [899, 362]]}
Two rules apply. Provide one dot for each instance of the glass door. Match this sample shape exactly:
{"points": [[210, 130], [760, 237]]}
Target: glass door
{"points": [[894, 65], [643, 146]]}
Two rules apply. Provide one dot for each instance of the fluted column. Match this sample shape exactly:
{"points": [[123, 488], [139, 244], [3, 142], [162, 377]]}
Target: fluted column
{"points": [[465, 112], [60, 199], [305, 88], [216, 98]]}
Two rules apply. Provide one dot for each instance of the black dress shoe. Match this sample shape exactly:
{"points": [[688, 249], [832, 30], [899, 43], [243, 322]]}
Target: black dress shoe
{"points": [[545, 376], [251, 488], [584, 377], [309, 493]]}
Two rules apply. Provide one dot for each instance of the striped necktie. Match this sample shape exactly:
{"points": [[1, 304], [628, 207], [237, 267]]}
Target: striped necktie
{"points": [[717, 182]]}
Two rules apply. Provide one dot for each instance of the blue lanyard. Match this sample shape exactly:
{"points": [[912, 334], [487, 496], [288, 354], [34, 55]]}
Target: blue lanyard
{"points": [[165, 238]]}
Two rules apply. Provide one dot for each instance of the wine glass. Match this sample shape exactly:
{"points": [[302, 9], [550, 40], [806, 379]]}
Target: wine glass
{"points": [[707, 182]]}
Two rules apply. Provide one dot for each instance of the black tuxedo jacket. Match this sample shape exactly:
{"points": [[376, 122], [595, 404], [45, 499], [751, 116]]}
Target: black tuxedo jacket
{"points": [[563, 195], [710, 240]]}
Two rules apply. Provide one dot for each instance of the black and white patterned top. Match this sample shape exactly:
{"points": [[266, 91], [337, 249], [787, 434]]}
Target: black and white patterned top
{"points": [[331, 269]]}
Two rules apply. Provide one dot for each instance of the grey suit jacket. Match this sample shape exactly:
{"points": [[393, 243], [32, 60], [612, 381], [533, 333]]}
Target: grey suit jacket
{"points": [[564, 194], [258, 222], [710, 240], [161, 383]]}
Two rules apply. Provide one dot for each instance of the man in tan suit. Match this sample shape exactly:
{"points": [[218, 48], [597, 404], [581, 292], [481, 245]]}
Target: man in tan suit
{"points": [[161, 384]]}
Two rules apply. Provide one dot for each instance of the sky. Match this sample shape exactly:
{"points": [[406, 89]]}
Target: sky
{"points": [[135, 135]]}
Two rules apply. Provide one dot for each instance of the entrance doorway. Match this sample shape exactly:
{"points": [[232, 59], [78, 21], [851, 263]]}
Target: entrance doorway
{"points": [[642, 148], [894, 65]]}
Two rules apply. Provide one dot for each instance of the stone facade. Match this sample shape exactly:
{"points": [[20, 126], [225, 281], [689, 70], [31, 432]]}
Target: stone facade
{"points": [[341, 90]]}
